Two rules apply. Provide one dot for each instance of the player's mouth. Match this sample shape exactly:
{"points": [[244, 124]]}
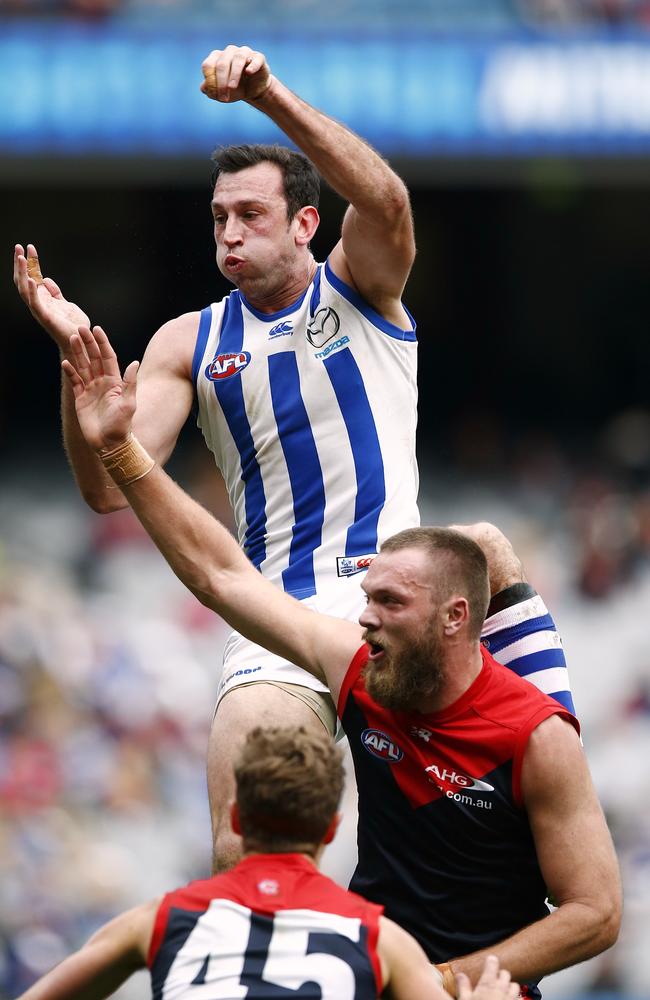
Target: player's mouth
{"points": [[376, 651], [233, 263]]}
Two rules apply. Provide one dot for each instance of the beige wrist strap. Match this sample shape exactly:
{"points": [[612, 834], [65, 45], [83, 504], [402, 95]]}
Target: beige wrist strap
{"points": [[448, 978], [128, 462]]}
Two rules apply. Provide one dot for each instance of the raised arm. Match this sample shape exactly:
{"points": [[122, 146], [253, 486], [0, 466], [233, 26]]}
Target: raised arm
{"points": [[576, 857], [166, 375], [202, 553], [377, 247], [115, 952]]}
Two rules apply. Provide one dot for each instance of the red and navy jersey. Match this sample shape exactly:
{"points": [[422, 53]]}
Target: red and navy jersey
{"points": [[444, 841], [274, 927]]}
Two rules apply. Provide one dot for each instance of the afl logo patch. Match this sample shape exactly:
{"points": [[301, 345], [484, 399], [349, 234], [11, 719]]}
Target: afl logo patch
{"points": [[227, 365], [380, 745]]}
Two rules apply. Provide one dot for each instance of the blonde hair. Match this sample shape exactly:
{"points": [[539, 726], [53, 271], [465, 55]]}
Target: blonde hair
{"points": [[289, 782]]}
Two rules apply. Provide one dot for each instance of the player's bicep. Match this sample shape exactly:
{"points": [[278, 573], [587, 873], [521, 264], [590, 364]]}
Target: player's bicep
{"points": [[574, 847], [165, 390], [378, 259]]}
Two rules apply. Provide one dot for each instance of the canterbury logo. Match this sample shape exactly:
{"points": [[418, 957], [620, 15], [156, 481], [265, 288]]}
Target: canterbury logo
{"points": [[281, 330]]}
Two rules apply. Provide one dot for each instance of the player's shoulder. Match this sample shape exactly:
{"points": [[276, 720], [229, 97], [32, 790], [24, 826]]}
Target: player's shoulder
{"points": [[335, 899], [172, 345], [179, 327], [511, 701], [556, 732]]}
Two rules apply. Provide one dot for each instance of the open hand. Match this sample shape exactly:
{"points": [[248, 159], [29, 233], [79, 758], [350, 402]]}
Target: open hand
{"points": [[494, 983], [44, 299], [236, 73], [105, 402]]}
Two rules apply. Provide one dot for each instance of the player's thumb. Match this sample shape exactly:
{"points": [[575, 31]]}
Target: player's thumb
{"points": [[463, 986], [130, 381]]}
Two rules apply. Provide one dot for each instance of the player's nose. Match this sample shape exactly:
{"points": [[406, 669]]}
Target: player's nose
{"points": [[369, 618], [232, 234]]}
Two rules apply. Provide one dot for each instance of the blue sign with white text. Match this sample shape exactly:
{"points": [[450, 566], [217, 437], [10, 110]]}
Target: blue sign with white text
{"points": [[118, 90]]}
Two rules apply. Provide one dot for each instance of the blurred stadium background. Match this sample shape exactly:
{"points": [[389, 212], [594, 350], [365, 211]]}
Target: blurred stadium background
{"points": [[523, 129]]}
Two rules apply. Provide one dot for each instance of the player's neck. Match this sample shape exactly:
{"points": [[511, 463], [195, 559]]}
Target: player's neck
{"points": [[312, 858], [291, 290], [461, 668]]}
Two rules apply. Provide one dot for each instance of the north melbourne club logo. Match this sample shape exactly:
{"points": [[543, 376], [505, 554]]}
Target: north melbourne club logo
{"points": [[323, 326]]}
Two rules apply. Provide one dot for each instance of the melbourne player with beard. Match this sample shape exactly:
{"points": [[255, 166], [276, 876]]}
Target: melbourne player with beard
{"points": [[475, 797]]}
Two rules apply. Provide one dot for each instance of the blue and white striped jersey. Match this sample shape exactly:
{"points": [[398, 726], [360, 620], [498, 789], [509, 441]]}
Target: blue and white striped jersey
{"points": [[311, 415]]}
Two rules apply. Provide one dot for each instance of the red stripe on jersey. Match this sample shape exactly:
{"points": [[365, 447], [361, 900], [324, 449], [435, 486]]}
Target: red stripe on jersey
{"points": [[372, 923], [159, 928], [357, 663]]}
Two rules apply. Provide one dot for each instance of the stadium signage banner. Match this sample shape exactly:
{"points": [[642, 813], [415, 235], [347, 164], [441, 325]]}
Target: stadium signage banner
{"points": [[118, 90]]}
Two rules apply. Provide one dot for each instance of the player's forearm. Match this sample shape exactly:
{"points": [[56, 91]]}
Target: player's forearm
{"points": [[572, 934], [348, 164], [200, 550], [87, 975], [207, 559], [95, 485]]}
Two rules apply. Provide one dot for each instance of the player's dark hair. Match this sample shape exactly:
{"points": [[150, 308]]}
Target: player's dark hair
{"points": [[463, 568], [289, 783], [300, 177]]}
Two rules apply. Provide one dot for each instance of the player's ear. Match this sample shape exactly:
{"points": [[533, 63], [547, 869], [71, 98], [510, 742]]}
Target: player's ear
{"points": [[306, 221], [234, 818], [332, 828], [455, 614]]}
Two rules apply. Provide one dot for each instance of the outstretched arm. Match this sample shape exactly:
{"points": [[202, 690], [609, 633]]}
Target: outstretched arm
{"points": [[166, 374], [114, 953], [576, 857], [377, 248], [202, 553]]}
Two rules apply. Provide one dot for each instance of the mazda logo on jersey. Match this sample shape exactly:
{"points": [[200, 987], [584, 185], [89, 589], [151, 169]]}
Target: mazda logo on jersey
{"points": [[380, 745], [227, 365], [323, 326]]}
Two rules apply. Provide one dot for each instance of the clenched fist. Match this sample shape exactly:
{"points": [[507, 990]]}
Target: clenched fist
{"points": [[236, 73]]}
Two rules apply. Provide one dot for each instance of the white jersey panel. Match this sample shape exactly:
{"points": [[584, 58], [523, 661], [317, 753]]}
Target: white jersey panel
{"points": [[311, 415]]}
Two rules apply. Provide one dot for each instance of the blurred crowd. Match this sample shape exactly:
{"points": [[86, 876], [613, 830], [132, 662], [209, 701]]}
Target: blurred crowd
{"points": [[105, 702], [108, 672], [283, 13]]}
